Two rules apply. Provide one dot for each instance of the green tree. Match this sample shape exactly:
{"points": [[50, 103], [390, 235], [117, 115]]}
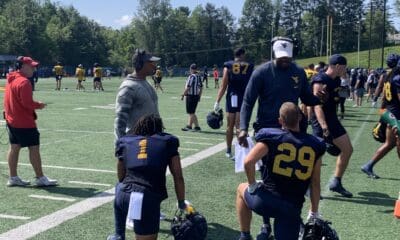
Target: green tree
{"points": [[255, 29]]}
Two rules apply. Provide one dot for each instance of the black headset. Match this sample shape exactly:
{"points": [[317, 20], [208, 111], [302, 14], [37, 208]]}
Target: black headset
{"points": [[19, 62], [138, 59]]}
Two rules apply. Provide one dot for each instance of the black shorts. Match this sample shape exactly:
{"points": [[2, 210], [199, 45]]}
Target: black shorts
{"points": [[158, 80], [97, 79], [150, 219], [286, 214], [233, 109], [26, 137], [336, 128], [191, 103], [58, 77]]}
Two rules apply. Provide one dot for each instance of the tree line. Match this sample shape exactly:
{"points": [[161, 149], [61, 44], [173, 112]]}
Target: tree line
{"points": [[205, 35]]}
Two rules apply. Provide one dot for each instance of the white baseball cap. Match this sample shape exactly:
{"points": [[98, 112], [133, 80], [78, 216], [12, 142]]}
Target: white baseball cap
{"points": [[283, 48]]}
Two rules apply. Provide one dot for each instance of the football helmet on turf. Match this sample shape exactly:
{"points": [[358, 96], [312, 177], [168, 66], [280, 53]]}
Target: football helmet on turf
{"points": [[215, 119], [318, 229], [191, 226]]}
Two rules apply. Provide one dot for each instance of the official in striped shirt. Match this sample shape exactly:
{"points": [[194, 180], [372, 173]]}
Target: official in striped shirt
{"points": [[192, 92]]}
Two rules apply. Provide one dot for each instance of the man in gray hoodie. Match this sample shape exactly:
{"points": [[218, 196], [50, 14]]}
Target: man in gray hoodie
{"points": [[136, 97]]}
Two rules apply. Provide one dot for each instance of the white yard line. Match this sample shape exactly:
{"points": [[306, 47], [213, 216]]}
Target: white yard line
{"points": [[90, 183], [67, 168], [65, 140], [45, 223], [52, 198], [199, 143], [189, 149], [14, 217]]}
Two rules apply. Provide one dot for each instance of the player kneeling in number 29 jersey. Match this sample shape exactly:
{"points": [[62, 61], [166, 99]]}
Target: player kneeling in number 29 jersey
{"points": [[292, 162]]}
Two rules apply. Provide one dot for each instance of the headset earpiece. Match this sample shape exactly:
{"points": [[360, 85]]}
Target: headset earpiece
{"points": [[19, 62]]}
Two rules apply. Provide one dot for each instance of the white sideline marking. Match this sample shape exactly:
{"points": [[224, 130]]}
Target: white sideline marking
{"points": [[200, 143], [73, 131], [90, 183], [42, 224], [189, 149], [194, 137], [69, 168], [52, 198], [65, 140], [14, 217], [45, 223], [79, 108]]}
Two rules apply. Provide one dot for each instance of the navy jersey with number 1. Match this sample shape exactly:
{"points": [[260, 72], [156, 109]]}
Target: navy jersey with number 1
{"points": [[289, 162], [146, 159]]}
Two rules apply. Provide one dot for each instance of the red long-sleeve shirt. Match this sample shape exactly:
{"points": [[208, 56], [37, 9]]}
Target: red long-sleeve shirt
{"points": [[19, 105]]}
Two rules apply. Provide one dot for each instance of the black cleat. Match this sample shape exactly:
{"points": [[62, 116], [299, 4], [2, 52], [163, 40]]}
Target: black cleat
{"points": [[265, 233], [341, 190], [369, 172]]}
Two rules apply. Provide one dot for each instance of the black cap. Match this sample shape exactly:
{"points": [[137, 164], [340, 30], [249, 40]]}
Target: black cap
{"points": [[337, 59]]}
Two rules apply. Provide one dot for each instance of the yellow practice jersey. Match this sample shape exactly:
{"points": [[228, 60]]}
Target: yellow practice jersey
{"points": [[98, 72], [158, 73], [80, 73], [310, 73], [58, 70]]}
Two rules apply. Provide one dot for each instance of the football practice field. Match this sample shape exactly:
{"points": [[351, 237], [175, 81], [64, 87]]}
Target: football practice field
{"points": [[77, 144]]}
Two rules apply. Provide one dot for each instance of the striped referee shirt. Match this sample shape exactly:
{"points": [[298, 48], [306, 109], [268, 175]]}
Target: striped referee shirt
{"points": [[193, 84]]}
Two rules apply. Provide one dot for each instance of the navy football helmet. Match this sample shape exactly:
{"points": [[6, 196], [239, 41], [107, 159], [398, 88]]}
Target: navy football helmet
{"points": [[215, 119], [192, 226], [318, 229], [392, 60]]}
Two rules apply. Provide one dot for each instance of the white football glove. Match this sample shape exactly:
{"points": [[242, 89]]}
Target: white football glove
{"points": [[313, 215], [216, 107]]}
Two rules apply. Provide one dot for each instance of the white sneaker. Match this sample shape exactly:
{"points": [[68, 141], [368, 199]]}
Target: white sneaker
{"points": [[45, 182], [374, 104], [17, 181]]}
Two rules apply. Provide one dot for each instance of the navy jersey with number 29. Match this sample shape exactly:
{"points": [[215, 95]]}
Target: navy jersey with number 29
{"points": [[290, 162]]}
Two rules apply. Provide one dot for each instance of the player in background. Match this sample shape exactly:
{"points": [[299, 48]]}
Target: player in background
{"points": [[235, 77], [59, 73], [98, 74], [216, 77], [158, 78], [390, 102], [80, 75], [205, 76]]}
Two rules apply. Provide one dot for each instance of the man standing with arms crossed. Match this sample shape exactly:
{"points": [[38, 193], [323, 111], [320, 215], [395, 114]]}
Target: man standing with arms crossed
{"points": [[235, 77]]}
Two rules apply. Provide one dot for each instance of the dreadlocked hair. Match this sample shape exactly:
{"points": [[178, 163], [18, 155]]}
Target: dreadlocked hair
{"points": [[148, 125]]}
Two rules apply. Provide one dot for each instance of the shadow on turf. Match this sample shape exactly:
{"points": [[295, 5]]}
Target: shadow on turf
{"points": [[212, 132], [370, 198], [214, 231], [73, 192]]}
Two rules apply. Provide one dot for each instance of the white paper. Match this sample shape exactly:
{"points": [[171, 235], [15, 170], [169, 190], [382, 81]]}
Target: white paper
{"points": [[135, 206], [234, 101], [241, 153]]}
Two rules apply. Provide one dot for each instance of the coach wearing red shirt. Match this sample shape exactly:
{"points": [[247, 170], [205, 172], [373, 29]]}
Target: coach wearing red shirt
{"points": [[19, 112]]}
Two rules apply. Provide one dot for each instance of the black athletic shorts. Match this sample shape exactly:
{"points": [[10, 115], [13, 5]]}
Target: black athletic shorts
{"points": [[97, 79], [58, 77], [191, 103], [25, 137], [335, 128]]}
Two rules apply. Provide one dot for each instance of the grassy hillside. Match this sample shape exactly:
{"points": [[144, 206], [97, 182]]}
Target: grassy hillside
{"points": [[352, 58]]}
